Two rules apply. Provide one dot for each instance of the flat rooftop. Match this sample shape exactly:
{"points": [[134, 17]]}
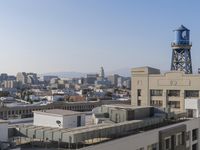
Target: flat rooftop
{"points": [[125, 106], [3, 121], [59, 112]]}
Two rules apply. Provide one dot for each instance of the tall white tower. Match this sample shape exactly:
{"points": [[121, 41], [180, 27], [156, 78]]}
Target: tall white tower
{"points": [[102, 74]]}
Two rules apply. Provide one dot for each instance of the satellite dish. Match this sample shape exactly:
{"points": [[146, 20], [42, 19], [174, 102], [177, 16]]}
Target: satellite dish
{"points": [[58, 122]]}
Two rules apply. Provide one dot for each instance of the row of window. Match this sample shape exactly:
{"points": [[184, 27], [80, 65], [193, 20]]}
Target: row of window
{"points": [[179, 140], [174, 104], [176, 93], [159, 103], [29, 111], [154, 146]]}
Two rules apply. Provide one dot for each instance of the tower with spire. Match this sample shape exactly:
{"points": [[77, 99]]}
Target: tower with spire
{"points": [[102, 74]]}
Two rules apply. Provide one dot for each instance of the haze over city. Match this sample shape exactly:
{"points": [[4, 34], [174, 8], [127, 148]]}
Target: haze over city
{"points": [[53, 36], [99, 75]]}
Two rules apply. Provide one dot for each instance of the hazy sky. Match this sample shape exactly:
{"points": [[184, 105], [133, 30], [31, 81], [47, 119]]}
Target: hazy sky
{"points": [[82, 35]]}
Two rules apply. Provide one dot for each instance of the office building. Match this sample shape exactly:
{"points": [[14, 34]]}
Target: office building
{"points": [[168, 90], [91, 78], [32, 78], [22, 77], [113, 79]]}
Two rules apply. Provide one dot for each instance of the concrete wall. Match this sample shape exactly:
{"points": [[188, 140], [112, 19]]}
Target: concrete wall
{"points": [[47, 120], [194, 105], [71, 121], [50, 120], [118, 115], [3, 132]]}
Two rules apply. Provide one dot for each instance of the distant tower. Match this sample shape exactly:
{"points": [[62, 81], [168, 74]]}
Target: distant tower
{"points": [[181, 54], [102, 74]]}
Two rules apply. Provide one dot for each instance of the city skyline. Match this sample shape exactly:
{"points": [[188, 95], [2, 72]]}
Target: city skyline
{"points": [[56, 36]]}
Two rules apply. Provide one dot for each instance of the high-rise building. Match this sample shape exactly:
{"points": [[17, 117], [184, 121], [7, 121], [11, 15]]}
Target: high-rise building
{"points": [[4, 76], [32, 78], [22, 77], [91, 78], [113, 79], [102, 73]]}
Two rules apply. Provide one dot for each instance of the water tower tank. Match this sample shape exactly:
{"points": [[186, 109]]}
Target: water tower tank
{"points": [[182, 35]]}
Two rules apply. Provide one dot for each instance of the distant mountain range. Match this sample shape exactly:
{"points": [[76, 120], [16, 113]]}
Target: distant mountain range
{"points": [[123, 72], [65, 74], [126, 72]]}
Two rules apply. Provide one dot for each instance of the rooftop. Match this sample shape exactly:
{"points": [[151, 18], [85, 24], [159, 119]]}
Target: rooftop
{"points": [[182, 28], [3, 121], [59, 112], [124, 106]]}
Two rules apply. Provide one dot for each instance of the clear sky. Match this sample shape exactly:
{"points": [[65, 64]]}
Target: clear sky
{"points": [[82, 35]]}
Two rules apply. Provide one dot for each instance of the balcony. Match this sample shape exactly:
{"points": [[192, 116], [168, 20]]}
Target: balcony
{"points": [[181, 45]]}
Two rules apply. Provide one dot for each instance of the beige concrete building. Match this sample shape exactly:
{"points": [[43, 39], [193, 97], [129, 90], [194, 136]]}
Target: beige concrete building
{"points": [[168, 90]]}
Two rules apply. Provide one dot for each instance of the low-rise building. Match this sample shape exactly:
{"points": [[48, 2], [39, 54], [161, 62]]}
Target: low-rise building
{"points": [[59, 118]]}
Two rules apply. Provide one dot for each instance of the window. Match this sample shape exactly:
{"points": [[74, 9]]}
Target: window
{"points": [[168, 143], [194, 134], [139, 92], [194, 146], [158, 103], [139, 102], [174, 104], [192, 93], [153, 146], [156, 92], [142, 148], [179, 139], [175, 93], [188, 136]]}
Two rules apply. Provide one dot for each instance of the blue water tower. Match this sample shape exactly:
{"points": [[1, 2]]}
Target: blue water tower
{"points": [[182, 35], [181, 51]]}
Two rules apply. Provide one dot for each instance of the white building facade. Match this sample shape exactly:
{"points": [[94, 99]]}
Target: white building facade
{"points": [[58, 118]]}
